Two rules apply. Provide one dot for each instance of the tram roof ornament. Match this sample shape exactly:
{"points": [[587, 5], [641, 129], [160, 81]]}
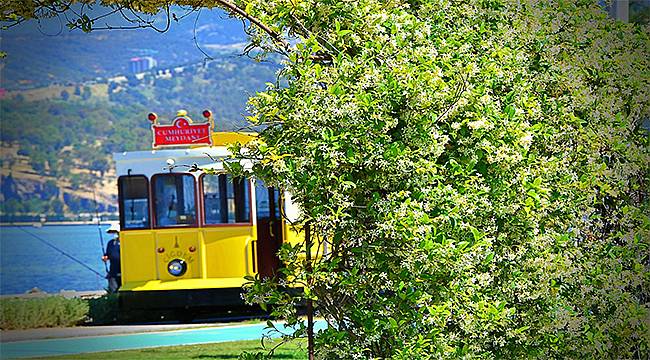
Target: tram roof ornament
{"points": [[182, 131]]}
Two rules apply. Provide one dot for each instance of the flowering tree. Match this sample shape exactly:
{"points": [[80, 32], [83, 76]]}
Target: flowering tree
{"points": [[478, 173], [474, 172]]}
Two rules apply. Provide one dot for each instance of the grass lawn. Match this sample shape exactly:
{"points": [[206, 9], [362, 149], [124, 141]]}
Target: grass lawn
{"points": [[226, 350]]}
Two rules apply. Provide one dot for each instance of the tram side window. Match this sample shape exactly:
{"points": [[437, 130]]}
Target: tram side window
{"points": [[174, 197], [226, 200], [134, 202]]}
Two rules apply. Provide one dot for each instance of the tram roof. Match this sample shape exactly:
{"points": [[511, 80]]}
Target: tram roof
{"points": [[155, 161]]}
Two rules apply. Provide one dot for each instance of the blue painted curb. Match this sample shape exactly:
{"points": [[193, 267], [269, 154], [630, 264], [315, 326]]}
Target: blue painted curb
{"points": [[69, 346]]}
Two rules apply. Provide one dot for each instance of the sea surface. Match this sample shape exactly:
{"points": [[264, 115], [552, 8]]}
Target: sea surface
{"points": [[27, 262]]}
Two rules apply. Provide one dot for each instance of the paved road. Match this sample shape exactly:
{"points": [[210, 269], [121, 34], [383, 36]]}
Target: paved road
{"points": [[99, 343]]}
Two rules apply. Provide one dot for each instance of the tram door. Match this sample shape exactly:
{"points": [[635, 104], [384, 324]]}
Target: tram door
{"points": [[269, 229]]}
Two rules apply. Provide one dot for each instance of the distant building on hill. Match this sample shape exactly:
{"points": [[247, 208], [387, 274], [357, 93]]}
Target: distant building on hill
{"points": [[142, 64]]}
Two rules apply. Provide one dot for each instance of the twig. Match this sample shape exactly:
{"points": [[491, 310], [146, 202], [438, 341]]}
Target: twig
{"points": [[273, 34], [196, 41], [457, 95]]}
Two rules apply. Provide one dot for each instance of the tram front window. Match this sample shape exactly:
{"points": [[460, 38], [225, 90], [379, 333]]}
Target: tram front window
{"points": [[226, 200], [174, 198], [134, 202]]}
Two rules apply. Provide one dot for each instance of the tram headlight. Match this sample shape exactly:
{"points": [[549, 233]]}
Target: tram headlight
{"points": [[177, 267]]}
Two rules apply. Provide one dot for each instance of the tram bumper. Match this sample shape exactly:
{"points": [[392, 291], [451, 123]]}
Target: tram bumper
{"points": [[186, 294], [175, 299]]}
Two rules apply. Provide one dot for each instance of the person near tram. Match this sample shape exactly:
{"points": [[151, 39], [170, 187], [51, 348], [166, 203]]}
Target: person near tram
{"points": [[112, 254]]}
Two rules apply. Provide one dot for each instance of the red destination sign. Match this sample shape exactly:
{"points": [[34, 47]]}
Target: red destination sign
{"points": [[181, 132]]}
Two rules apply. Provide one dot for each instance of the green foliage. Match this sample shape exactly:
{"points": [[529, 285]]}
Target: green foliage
{"points": [[59, 136], [476, 170], [87, 93], [51, 311]]}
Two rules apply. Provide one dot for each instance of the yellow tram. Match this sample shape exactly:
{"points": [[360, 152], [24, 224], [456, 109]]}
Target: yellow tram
{"points": [[188, 239]]}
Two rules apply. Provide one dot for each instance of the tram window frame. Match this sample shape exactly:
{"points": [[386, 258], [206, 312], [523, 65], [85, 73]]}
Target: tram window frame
{"points": [[280, 213], [204, 221], [121, 199], [154, 214]]}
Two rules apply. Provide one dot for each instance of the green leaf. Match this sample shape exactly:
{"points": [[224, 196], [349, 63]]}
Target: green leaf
{"points": [[522, 329], [488, 258], [476, 233]]}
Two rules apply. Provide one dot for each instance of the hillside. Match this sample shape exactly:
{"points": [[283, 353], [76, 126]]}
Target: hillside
{"points": [[42, 54], [57, 140]]}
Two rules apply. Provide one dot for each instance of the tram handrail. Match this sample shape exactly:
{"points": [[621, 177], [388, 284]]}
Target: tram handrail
{"points": [[254, 253]]}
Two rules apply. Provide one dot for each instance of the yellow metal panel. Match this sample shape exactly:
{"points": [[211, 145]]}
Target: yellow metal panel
{"points": [[227, 138], [177, 244], [227, 251], [294, 237], [137, 254], [183, 284]]}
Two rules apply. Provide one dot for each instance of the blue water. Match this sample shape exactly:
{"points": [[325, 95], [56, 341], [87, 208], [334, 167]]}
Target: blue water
{"points": [[26, 262], [67, 346]]}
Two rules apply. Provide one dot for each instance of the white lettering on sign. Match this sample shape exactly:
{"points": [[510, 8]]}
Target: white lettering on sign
{"points": [[181, 132]]}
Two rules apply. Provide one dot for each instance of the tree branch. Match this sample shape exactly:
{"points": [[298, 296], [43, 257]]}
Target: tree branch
{"points": [[277, 38]]}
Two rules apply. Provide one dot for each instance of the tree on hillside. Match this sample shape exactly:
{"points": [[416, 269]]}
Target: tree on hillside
{"points": [[11, 207], [87, 93], [38, 162], [56, 206], [476, 170]]}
